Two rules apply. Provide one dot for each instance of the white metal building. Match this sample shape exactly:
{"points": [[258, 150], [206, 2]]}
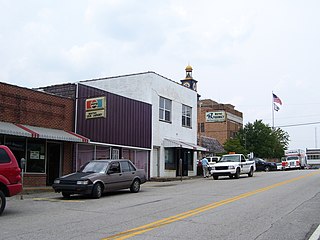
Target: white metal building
{"points": [[313, 157], [174, 118]]}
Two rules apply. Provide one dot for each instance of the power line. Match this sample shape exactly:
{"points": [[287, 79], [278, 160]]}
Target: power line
{"points": [[299, 124]]}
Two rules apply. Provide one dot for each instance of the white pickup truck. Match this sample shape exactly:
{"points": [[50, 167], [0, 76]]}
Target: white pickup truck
{"points": [[233, 165], [213, 160]]}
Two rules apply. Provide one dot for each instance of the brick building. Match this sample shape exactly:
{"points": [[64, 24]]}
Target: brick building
{"points": [[217, 120], [38, 127]]}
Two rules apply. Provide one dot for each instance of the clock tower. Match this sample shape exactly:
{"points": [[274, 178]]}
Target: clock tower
{"points": [[189, 82]]}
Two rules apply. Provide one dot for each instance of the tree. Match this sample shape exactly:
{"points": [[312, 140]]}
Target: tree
{"points": [[234, 145], [282, 142], [260, 139]]}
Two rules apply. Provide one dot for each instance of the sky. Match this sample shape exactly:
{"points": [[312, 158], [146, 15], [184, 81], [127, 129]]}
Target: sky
{"points": [[240, 51]]}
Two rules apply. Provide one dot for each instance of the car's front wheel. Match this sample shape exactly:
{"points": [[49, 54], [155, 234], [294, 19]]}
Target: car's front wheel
{"points": [[2, 201], [266, 168], [250, 174], [135, 186], [65, 195], [215, 177], [97, 190], [237, 174]]}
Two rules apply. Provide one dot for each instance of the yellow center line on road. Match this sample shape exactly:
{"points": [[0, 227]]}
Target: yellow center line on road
{"points": [[148, 227]]}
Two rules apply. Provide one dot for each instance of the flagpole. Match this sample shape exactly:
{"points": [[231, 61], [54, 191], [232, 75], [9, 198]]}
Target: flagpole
{"points": [[272, 111]]}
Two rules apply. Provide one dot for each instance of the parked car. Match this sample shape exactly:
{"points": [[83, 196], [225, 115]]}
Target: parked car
{"points": [[279, 166], [99, 176], [213, 160], [233, 165], [10, 179], [262, 165]]}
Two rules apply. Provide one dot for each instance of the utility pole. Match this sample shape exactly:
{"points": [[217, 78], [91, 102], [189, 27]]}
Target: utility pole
{"points": [[315, 137]]}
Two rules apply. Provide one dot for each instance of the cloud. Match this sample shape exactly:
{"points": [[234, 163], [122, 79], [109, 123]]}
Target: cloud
{"points": [[240, 50]]}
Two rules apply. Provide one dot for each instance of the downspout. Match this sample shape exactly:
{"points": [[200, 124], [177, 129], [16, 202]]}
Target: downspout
{"points": [[75, 126], [76, 108]]}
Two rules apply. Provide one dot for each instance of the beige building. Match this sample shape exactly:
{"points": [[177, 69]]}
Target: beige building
{"points": [[217, 120]]}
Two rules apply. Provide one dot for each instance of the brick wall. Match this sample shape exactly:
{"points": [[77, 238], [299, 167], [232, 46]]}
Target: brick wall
{"points": [[34, 180], [67, 166], [35, 108], [64, 90], [221, 131], [30, 107]]}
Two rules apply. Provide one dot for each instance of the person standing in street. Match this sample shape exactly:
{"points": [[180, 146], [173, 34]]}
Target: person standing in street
{"points": [[205, 164]]}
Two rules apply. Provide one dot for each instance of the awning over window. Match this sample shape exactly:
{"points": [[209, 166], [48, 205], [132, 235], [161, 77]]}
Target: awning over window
{"points": [[171, 143], [12, 129], [39, 132]]}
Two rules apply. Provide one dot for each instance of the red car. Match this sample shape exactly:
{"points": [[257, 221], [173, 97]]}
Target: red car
{"points": [[10, 179]]}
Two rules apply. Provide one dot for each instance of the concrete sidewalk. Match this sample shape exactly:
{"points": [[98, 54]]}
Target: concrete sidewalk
{"points": [[30, 190]]}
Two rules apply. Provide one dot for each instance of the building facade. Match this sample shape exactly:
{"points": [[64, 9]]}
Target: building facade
{"points": [[219, 121], [174, 119], [118, 127], [38, 127]]}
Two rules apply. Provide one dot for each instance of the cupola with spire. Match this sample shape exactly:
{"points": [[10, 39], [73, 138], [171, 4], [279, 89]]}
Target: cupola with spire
{"points": [[189, 82]]}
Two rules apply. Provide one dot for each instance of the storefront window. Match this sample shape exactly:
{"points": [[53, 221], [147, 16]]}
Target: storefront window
{"points": [[125, 153], [1, 139], [129, 154], [142, 159], [102, 152], [170, 163], [18, 147], [85, 154], [36, 161], [189, 155]]}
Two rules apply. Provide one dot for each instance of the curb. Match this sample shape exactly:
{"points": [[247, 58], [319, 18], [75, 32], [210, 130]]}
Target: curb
{"points": [[31, 190]]}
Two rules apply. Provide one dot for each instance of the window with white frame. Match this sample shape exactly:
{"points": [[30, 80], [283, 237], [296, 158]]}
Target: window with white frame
{"points": [[186, 116], [115, 154], [165, 106]]}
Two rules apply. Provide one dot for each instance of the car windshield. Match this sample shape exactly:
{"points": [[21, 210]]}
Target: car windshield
{"points": [[230, 158], [260, 160], [292, 158], [95, 167]]}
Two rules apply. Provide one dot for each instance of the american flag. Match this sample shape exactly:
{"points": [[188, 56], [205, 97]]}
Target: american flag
{"points": [[276, 99]]}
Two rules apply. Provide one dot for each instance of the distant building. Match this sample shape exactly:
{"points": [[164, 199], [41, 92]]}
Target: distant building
{"points": [[217, 120], [212, 145]]}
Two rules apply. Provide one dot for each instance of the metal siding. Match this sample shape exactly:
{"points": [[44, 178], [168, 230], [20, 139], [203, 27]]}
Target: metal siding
{"points": [[127, 122]]}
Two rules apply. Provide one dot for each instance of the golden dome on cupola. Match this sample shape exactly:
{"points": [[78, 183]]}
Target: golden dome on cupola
{"points": [[189, 82], [188, 68]]}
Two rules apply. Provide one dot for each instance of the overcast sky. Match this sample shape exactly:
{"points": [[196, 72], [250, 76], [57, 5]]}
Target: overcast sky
{"points": [[240, 50]]}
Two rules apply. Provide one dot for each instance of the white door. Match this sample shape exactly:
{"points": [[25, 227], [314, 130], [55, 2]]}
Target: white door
{"points": [[155, 162]]}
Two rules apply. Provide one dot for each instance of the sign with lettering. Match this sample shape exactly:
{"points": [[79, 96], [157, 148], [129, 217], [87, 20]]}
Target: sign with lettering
{"points": [[95, 107], [215, 116]]}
